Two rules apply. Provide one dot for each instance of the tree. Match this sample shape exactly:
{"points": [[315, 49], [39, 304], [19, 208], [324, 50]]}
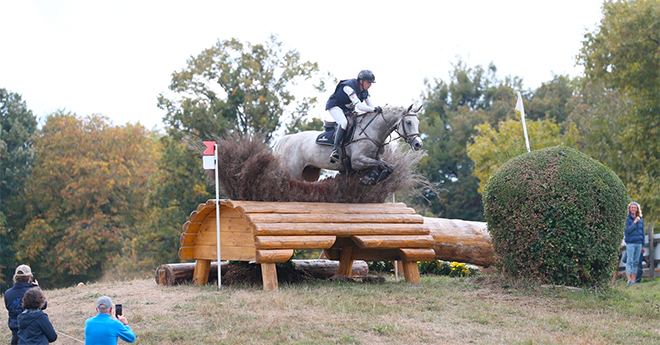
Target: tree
{"points": [[85, 196], [235, 87], [493, 147], [17, 124], [230, 88], [451, 111], [623, 53]]}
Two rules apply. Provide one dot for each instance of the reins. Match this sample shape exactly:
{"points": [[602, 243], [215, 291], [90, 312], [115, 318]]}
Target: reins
{"points": [[390, 129]]}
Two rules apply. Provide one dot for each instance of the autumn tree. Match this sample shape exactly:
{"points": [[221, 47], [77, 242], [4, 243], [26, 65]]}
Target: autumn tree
{"points": [[451, 111], [231, 88], [623, 54], [236, 87], [84, 197], [17, 125], [492, 147]]}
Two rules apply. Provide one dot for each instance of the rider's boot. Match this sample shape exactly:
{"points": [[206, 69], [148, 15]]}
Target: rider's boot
{"points": [[339, 137]]}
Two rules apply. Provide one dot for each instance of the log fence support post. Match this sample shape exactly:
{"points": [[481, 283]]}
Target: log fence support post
{"points": [[201, 274], [345, 262], [269, 276]]}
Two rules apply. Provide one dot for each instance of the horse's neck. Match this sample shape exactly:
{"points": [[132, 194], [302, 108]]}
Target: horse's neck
{"points": [[378, 126]]}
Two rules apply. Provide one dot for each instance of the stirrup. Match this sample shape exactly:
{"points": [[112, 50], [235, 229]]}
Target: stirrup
{"points": [[334, 156]]}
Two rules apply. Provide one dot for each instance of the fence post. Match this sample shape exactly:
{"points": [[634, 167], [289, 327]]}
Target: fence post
{"points": [[651, 253]]}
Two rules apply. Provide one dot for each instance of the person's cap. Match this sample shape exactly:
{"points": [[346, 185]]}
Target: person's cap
{"points": [[23, 271], [104, 302]]}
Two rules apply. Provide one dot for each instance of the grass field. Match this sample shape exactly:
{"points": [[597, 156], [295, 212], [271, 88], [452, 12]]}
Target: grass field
{"points": [[440, 310]]}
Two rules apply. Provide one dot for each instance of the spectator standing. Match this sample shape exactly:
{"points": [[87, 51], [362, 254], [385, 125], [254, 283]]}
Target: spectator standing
{"points": [[103, 329], [34, 327], [634, 237], [23, 281]]}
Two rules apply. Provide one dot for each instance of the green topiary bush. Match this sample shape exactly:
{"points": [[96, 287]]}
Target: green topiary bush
{"points": [[556, 216]]}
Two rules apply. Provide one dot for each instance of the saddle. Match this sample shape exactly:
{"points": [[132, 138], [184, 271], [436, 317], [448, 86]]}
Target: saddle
{"points": [[330, 127]]}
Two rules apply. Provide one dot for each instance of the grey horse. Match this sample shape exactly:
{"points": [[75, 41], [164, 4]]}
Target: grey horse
{"points": [[303, 158]]}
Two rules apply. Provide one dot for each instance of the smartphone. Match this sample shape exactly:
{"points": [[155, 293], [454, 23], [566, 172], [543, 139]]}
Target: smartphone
{"points": [[118, 310]]}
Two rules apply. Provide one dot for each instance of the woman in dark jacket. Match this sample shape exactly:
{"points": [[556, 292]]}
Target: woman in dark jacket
{"points": [[34, 327], [634, 238]]}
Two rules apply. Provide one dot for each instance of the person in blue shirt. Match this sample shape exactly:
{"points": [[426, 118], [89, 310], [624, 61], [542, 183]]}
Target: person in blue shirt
{"points": [[634, 237], [349, 94], [23, 281], [103, 329]]}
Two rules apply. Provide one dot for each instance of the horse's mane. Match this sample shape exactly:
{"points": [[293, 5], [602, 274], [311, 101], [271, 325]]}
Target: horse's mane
{"points": [[250, 171]]}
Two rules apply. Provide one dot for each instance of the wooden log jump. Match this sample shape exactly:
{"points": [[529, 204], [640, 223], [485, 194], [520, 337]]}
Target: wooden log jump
{"points": [[461, 240], [268, 233]]}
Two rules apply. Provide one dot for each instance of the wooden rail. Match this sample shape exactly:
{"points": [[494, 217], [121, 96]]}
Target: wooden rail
{"points": [[268, 233]]}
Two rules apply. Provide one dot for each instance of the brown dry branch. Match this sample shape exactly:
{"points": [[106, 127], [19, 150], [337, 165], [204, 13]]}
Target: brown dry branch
{"points": [[249, 171]]}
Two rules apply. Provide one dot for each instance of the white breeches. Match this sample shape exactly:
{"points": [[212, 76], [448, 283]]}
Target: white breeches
{"points": [[338, 115]]}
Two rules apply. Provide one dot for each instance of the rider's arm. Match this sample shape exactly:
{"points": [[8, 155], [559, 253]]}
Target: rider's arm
{"points": [[356, 101], [368, 107]]}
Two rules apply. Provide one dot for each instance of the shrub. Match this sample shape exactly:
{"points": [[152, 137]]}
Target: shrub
{"points": [[556, 216]]}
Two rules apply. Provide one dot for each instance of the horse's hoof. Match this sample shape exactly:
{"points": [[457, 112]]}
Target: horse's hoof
{"points": [[368, 181]]}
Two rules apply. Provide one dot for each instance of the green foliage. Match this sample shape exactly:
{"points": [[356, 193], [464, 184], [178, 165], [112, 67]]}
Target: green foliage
{"points": [[301, 125], [437, 267], [17, 125], [238, 88], [623, 54], [445, 268], [494, 147], [84, 197], [231, 88], [556, 216], [451, 111]]}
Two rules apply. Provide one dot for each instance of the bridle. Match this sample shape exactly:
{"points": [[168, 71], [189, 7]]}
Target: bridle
{"points": [[408, 137]]}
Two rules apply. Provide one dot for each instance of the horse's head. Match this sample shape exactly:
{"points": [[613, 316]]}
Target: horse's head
{"points": [[408, 128]]}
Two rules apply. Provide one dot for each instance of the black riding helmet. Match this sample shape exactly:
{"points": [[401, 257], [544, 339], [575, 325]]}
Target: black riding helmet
{"points": [[366, 75]]}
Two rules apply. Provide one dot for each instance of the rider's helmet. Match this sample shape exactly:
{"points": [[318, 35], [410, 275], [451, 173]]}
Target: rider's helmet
{"points": [[366, 75]]}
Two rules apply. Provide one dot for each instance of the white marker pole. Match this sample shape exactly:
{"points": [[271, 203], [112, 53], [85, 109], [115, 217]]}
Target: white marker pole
{"points": [[519, 107], [217, 213]]}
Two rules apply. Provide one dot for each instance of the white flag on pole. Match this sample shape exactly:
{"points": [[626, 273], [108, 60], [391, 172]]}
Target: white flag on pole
{"points": [[521, 109]]}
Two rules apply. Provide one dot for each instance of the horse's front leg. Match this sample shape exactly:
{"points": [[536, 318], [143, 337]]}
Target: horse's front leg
{"points": [[374, 170]]}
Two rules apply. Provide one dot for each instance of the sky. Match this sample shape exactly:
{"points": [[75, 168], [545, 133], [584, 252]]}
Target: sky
{"points": [[115, 57]]}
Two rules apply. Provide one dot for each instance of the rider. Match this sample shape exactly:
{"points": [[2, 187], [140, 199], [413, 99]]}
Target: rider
{"points": [[348, 95]]}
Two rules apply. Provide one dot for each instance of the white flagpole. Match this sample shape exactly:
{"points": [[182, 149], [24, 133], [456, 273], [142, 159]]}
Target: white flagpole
{"points": [[519, 107], [217, 214]]}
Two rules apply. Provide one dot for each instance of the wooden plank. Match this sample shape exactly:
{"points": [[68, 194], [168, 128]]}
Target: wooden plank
{"points": [[417, 254], [269, 276], [246, 207], [411, 271], [335, 218], [227, 253], [229, 239], [273, 256], [294, 242], [337, 229], [226, 224], [187, 239], [394, 241], [186, 253], [201, 274], [345, 262], [191, 227]]}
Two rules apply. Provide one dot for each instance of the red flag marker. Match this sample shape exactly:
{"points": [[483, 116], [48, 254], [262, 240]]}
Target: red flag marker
{"points": [[210, 148]]}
